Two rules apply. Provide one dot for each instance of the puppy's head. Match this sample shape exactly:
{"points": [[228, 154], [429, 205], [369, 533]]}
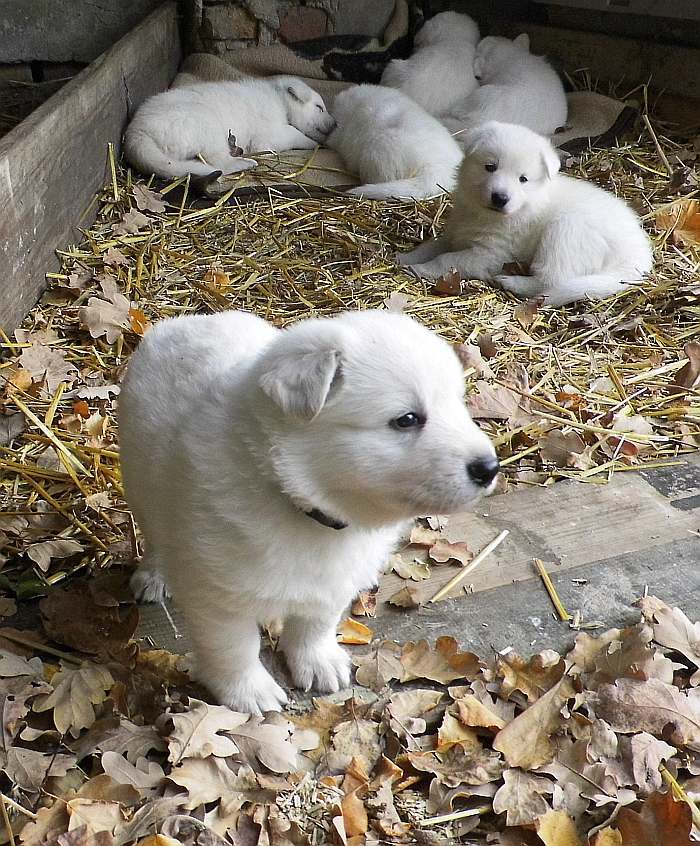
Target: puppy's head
{"points": [[494, 53], [367, 420], [506, 168], [447, 26], [306, 110]]}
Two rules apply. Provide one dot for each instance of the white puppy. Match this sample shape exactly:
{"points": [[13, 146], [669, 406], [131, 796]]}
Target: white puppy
{"points": [[211, 119], [440, 72], [511, 204], [272, 471], [391, 142], [514, 87]]}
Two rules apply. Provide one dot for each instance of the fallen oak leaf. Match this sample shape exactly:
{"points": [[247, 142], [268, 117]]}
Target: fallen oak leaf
{"points": [[534, 677], [562, 450], [28, 769], [148, 200], [365, 604], [75, 693], [472, 359], [106, 317], [198, 732], [355, 819], [146, 776], [689, 374], [43, 552], [48, 365], [113, 257], [212, 780], [521, 797], [449, 285], [273, 742], [661, 820], [409, 596], [556, 828], [526, 741], [681, 220], [138, 321], [460, 764], [413, 570], [525, 313], [131, 222], [444, 551], [354, 633], [420, 536]]}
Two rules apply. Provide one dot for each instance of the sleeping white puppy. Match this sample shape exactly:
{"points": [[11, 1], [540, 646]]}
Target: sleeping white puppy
{"points": [[440, 72], [514, 86], [171, 129], [393, 144], [272, 471], [511, 204]]}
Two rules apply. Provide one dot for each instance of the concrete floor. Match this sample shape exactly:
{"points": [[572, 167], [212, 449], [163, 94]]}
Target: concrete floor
{"points": [[602, 544]]}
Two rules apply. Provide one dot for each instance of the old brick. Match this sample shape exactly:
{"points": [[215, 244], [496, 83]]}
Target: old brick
{"points": [[223, 22], [300, 23]]}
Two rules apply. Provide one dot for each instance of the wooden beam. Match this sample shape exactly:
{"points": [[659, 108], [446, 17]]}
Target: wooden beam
{"points": [[52, 164]]}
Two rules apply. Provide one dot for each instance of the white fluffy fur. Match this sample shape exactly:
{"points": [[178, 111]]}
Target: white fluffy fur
{"points": [[230, 430], [514, 87], [170, 129], [440, 72], [577, 239], [393, 144]]}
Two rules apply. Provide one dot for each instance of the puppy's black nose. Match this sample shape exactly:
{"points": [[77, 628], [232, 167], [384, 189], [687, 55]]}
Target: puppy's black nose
{"points": [[483, 471], [499, 200]]}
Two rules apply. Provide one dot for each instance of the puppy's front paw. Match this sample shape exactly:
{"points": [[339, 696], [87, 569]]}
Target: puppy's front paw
{"points": [[521, 286], [324, 666], [253, 692], [148, 586]]}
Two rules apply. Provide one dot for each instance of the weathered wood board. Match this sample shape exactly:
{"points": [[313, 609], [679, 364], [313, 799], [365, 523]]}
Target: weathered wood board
{"points": [[54, 161]]}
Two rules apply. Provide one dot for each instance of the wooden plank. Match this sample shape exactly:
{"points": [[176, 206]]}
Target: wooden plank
{"points": [[567, 525], [54, 161]]}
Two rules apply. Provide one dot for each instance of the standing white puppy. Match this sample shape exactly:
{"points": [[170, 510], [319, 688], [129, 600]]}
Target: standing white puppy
{"points": [[514, 87], [170, 130], [271, 472], [393, 144], [440, 72], [511, 204]]}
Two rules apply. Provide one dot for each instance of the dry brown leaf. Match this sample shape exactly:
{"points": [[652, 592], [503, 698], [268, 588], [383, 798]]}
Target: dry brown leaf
{"points": [[48, 365], [534, 677], [449, 285], [500, 402], [410, 711], [521, 797], [652, 706], [412, 569], [130, 223], [472, 359], [560, 449], [444, 663], [409, 596], [444, 551], [75, 692], [354, 814], [673, 630], [148, 200], [113, 257], [487, 346], [211, 780], [272, 741], [460, 764], [689, 375], [106, 317], [526, 742], [525, 313], [476, 714], [28, 769], [120, 736], [356, 738], [365, 605], [452, 732], [95, 814], [352, 632], [146, 776], [682, 219], [660, 822], [556, 828], [42, 553], [197, 732], [607, 837], [420, 536], [396, 302], [11, 427]]}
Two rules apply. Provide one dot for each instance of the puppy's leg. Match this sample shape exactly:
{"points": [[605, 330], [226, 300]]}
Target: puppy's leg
{"points": [[147, 583], [227, 656], [314, 657], [470, 264], [526, 287], [426, 251], [290, 138], [223, 160]]}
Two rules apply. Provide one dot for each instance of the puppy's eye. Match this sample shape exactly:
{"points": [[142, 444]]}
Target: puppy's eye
{"points": [[491, 167], [408, 421], [523, 178], [320, 108]]}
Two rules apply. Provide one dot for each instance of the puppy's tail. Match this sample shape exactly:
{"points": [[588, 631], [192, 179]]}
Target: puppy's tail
{"points": [[596, 286], [146, 156], [417, 187]]}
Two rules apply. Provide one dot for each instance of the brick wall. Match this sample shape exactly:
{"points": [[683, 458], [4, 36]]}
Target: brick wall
{"points": [[225, 25]]}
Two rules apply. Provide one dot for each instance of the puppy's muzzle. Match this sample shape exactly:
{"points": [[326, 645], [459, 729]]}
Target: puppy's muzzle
{"points": [[499, 200], [483, 471]]}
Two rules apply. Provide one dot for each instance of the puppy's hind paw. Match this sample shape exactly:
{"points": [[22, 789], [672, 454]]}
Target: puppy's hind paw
{"points": [[521, 286], [324, 667], [148, 586]]}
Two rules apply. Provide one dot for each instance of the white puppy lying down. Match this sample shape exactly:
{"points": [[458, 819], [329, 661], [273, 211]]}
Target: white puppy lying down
{"points": [[515, 87], [391, 142], [272, 471], [510, 205], [440, 72], [169, 130]]}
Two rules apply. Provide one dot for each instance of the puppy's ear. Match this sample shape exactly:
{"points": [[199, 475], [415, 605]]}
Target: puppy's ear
{"points": [[523, 41], [472, 138], [550, 160], [299, 379], [295, 95]]}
